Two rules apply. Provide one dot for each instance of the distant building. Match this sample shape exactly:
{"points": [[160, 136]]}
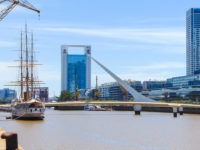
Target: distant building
{"points": [[193, 41], [192, 77], [176, 94], [53, 99], [184, 81], [153, 85], [90, 93], [72, 66], [82, 94], [7, 93], [42, 93], [113, 91]]}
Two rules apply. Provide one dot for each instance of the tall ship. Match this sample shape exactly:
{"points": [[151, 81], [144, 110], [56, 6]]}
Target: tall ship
{"points": [[27, 105]]}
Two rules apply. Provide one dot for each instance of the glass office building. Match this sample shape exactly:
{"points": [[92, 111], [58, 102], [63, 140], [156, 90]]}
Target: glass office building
{"points": [[75, 66], [113, 91], [183, 81], [192, 41]]}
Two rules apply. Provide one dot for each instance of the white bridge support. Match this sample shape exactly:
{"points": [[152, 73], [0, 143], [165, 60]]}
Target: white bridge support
{"points": [[175, 111], [137, 109], [137, 96], [180, 109]]}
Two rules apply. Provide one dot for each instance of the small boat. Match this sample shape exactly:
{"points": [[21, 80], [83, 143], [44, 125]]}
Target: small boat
{"points": [[94, 108]]}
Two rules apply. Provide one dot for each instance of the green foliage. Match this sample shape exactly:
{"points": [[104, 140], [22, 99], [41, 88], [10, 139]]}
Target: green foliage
{"points": [[65, 96], [3, 100], [180, 101], [194, 95], [166, 96]]}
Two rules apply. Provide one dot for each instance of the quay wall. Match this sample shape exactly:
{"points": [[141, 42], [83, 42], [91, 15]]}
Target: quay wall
{"points": [[130, 108], [123, 108]]}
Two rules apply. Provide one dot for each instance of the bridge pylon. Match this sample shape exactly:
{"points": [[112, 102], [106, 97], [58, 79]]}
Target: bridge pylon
{"points": [[137, 96]]}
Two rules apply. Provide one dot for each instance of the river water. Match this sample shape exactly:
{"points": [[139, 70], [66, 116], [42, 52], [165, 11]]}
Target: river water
{"points": [[106, 130]]}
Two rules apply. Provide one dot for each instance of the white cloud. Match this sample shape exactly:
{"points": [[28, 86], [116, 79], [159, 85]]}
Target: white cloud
{"points": [[7, 73], [7, 44], [158, 66], [160, 36], [112, 46], [50, 77], [160, 71]]}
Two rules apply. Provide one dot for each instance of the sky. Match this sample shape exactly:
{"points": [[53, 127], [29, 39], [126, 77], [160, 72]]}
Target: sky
{"points": [[137, 40]]}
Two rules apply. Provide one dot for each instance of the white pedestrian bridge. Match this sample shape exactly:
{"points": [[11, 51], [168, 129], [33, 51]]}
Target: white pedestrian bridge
{"points": [[136, 105], [137, 96]]}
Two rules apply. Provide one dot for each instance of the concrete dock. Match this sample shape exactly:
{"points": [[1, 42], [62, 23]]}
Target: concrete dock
{"points": [[3, 142]]}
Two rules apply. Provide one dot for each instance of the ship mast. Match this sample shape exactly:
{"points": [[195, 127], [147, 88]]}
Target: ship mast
{"points": [[27, 81], [27, 66], [21, 68], [32, 79]]}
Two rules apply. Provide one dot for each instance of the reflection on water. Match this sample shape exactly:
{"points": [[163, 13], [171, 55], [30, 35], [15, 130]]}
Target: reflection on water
{"points": [[90, 130]]}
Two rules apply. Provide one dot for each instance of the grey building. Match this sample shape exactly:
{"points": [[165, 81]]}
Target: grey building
{"points": [[113, 91], [42, 93], [176, 94], [192, 77], [192, 41], [184, 81]]}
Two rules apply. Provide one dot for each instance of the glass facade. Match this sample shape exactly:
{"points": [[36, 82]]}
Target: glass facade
{"points": [[113, 91], [152, 85], [193, 40], [76, 67], [183, 81]]}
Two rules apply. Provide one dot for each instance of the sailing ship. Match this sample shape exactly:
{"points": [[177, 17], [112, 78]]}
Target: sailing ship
{"points": [[27, 106]]}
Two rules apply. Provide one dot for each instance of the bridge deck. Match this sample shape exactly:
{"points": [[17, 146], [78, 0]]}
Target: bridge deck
{"points": [[150, 104]]}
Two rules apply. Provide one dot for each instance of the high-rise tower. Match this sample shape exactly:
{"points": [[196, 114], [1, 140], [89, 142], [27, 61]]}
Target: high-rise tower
{"points": [[192, 41], [75, 67]]}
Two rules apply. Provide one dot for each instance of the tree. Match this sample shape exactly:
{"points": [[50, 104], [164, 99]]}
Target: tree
{"points": [[194, 95], [65, 96], [166, 96]]}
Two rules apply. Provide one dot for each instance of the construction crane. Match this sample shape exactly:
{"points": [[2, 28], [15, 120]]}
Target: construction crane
{"points": [[22, 3], [97, 93]]}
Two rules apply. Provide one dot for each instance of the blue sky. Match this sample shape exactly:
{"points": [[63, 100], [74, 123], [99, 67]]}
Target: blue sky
{"points": [[138, 40]]}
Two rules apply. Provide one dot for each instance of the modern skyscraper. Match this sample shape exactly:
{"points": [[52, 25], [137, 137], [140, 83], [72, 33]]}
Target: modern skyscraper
{"points": [[192, 41], [75, 67]]}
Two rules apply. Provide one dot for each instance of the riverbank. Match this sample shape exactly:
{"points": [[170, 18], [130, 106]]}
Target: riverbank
{"points": [[179, 101], [130, 108]]}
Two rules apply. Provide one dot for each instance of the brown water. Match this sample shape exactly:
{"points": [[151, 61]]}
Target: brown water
{"points": [[90, 130]]}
